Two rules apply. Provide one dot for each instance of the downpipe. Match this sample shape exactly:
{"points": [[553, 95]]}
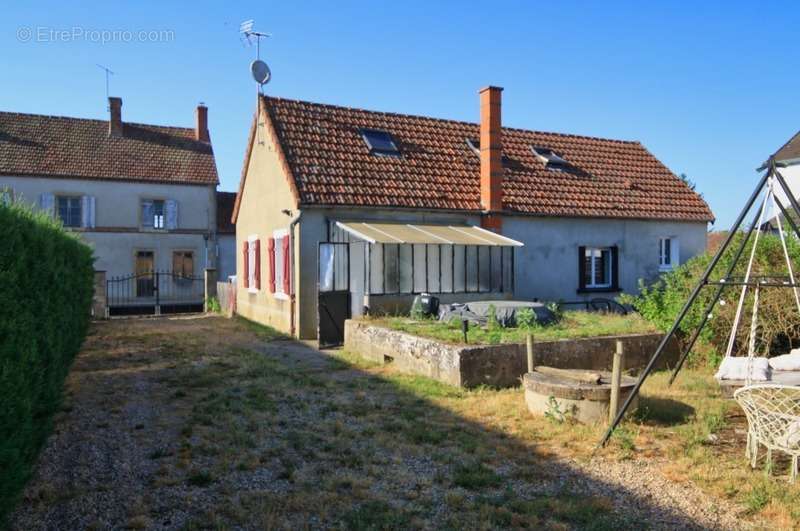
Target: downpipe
{"points": [[292, 280]]}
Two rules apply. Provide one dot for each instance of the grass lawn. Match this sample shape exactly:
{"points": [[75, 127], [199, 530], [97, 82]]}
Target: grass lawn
{"points": [[216, 423], [574, 324]]}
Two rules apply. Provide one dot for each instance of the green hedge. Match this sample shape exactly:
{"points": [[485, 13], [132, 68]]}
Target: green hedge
{"points": [[779, 322], [46, 285]]}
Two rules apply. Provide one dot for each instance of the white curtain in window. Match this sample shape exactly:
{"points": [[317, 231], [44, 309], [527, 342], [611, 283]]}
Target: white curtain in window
{"points": [[325, 267]]}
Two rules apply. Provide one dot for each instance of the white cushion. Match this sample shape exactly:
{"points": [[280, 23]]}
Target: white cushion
{"points": [[787, 362], [736, 369]]}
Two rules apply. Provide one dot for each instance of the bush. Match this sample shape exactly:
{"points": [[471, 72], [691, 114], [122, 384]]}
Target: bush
{"points": [[778, 319], [46, 286]]}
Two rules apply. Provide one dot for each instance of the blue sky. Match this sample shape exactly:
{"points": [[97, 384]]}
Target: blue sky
{"points": [[711, 90]]}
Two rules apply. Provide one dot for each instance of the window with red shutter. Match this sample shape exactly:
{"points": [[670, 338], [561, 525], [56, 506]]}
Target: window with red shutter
{"points": [[258, 264], [272, 265], [286, 268], [246, 263]]}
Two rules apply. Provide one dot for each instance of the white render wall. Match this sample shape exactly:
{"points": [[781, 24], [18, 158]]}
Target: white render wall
{"points": [[118, 202], [117, 235], [547, 267]]}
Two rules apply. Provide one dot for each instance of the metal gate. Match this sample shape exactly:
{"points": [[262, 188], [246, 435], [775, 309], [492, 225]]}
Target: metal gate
{"points": [[333, 288], [154, 293]]}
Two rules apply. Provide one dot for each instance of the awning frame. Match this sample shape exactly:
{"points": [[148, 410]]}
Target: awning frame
{"points": [[468, 231]]}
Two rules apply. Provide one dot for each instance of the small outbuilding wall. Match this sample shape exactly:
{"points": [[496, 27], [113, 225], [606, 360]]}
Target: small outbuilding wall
{"points": [[496, 365]]}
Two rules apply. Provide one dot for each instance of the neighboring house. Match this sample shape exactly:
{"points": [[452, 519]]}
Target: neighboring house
{"points": [[342, 208], [789, 157], [226, 236], [143, 196]]}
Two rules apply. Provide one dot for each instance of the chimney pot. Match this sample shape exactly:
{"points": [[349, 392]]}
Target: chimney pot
{"points": [[491, 155], [115, 116], [201, 124]]}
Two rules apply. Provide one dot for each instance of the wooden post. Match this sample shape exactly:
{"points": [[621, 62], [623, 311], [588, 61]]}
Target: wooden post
{"points": [[529, 345], [616, 377]]}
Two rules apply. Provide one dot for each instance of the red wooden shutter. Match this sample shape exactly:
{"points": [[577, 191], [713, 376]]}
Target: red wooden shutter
{"points": [[257, 264], [286, 267], [246, 260], [272, 265]]}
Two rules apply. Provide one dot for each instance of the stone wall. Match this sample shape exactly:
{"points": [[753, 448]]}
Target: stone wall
{"points": [[100, 298], [496, 365]]}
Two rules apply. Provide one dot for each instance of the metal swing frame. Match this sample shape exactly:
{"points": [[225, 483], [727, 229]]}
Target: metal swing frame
{"points": [[771, 167]]}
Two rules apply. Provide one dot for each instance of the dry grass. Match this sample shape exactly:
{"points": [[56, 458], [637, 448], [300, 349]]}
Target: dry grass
{"points": [[247, 430]]}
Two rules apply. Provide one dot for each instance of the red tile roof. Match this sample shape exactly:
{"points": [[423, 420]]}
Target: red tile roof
{"points": [[331, 165], [225, 202], [54, 146]]}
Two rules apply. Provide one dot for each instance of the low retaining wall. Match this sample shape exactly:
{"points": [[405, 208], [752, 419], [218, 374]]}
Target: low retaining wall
{"points": [[496, 365]]}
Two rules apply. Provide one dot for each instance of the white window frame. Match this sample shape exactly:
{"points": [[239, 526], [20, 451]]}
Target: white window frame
{"points": [[251, 263], [70, 198], [163, 218], [278, 235], [668, 263], [592, 270]]}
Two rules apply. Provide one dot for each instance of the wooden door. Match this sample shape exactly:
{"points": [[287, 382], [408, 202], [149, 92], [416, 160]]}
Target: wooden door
{"points": [[145, 264]]}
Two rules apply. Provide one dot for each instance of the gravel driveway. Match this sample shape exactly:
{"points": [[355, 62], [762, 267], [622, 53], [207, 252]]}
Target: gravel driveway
{"points": [[206, 422]]}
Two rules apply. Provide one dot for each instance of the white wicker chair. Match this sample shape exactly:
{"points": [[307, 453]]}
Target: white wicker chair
{"points": [[773, 418]]}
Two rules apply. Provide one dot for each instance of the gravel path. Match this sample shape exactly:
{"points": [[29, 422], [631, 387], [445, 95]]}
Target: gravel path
{"points": [[154, 435]]}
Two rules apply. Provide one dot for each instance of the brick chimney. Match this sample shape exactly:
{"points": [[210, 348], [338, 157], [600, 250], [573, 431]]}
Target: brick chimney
{"points": [[115, 119], [491, 142], [201, 123]]}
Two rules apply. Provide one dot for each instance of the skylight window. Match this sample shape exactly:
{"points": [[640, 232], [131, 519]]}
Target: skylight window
{"points": [[380, 142], [550, 158], [474, 144]]}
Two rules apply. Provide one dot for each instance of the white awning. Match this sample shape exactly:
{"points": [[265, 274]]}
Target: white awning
{"points": [[375, 232]]}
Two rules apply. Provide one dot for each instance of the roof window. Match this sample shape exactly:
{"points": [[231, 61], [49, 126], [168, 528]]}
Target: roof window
{"points": [[474, 144], [550, 157], [380, 142]]}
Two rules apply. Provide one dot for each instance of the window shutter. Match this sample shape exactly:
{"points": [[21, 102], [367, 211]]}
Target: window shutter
{"points": [[246, 261], [581, 267], [257, 265], [171, 206], [87, 211], [286, 267], [147, 213], [675, 253], [47, 202], [615, 267], [271, 257]]}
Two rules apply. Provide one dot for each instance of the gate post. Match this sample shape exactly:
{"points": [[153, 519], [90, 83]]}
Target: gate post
{"points": [[100, 297], [209, 286], [158, 294]]}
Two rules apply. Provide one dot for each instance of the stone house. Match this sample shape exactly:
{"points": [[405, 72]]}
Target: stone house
{"points": [[143, 196], [342, 210]]}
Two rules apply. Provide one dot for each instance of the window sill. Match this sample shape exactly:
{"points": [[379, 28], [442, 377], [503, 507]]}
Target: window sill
{"points": [[665, 269], [252, 290], [281, 296], [609, 289]]}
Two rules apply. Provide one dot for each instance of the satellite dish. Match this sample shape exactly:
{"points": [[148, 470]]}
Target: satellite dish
{"points": [[260, 72]]}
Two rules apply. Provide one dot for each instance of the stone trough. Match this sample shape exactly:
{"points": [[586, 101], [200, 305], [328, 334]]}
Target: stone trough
{"points": [[496, 365], [585, 402]]}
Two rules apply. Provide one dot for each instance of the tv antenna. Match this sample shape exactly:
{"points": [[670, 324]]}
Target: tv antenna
{"points": [[258, 68], [108, 73]]}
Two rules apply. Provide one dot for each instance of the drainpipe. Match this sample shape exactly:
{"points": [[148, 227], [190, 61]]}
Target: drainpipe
{"points": [[292, 280]]}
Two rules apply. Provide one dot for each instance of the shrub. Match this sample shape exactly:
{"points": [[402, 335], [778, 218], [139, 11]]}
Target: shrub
{"points": [[779, 322], [46, 286]]}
